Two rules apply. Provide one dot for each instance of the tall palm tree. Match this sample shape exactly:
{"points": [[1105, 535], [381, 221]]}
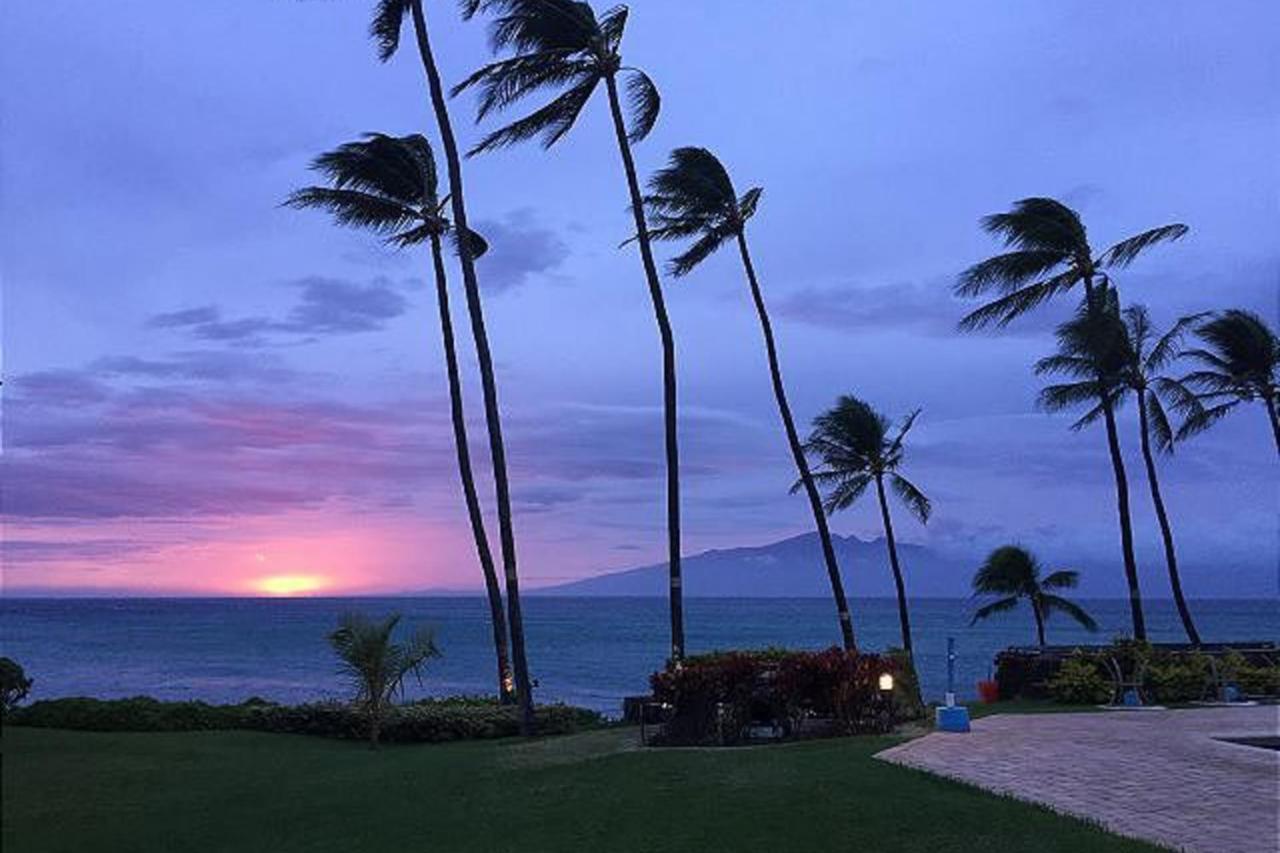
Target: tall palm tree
{"points": [[1049, 255], [1240, 361], [376, 665], [853, 443], [387, 23], [1107, 356], [563, 46], [694, 198], [388, 185], [1013, 573]]}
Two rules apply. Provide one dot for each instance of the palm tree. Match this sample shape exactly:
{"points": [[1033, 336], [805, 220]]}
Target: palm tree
{"points": [[1239, 363], [562, 45], [693, 198], [376, 665], [1013, 573], [388, 185], [1108, 356], [387, 23], [1049, 254], [852, 441]]}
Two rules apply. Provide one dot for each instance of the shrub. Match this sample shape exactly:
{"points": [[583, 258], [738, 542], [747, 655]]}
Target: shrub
{"points": [[1080, 681], [419, 722], [1178, 678], [717, 698], [14, 684]]}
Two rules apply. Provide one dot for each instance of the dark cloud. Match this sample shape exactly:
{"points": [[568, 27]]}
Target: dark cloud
{"points": [[200, 365], [326, 306], [519, 248]]}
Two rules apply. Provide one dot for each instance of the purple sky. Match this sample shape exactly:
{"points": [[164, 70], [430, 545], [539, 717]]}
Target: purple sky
{"points": [[203, 389]]}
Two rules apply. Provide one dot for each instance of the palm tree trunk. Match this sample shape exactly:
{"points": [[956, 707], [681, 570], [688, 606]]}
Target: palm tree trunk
{"points": [[493, 419], [903, 616], [465, 473], [668, 373], [1122, 491], [1035, 609], [797, 453], [1166, 531], [1269, 401]]}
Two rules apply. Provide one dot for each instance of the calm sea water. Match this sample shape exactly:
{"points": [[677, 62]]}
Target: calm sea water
{"points": [[586, 651]]}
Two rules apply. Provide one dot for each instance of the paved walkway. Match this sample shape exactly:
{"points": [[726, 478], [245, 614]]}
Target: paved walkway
{"points": [[1156, 775]]}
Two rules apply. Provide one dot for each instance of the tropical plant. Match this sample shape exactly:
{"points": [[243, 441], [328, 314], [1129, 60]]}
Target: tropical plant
{"points": [[14, 684], [1012, 573], [853, 443], [563, 46], [693, 198], [1049, 255], [1240, 362], [376, 665], [1107, 356], [388, 185], [385, 29]]}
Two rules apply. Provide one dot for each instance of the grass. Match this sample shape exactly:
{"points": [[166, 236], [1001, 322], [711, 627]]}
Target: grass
{"points": [[249, 791]]}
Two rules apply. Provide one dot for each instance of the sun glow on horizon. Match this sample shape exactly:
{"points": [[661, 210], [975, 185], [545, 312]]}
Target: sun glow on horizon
{"points": [[286, 585]]}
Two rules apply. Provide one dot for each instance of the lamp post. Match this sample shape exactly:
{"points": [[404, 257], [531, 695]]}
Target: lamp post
{"points": [[951, 717]]}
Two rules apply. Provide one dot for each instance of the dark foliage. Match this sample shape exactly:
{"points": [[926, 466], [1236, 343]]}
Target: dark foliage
{"points": [[14, 684], [427, 721], [718, 698]]}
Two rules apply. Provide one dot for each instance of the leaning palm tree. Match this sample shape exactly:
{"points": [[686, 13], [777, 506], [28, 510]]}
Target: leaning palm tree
{"points": [[1013, 573], [387, 23], [852, 441], [1106, 357], [694, 198], [376, 665], [561, 45], [1240, 362], [1049, 255], [388, 185]]}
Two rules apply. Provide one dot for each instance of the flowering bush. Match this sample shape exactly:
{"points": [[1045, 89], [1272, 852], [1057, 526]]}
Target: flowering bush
{"points": [[720, 697]]}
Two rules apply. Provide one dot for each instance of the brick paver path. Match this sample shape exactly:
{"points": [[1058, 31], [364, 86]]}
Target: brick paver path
{"points": [[1156, 775]]}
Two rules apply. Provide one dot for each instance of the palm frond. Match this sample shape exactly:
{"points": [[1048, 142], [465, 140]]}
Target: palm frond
{"points": [[1003, 605], [388, 19], [1006, 309], [643, 105], [1008, 570], [1055, 398], [355, 209], [914, 499], [846, 492], [551, 122], [702, 248], [1052, 603], [1039, 224], [1203, 418], [749, 202], [1061, 579], [1123, 253], [1006, 273], [1158, 426]]}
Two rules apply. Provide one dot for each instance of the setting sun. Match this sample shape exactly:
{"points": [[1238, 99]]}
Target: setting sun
{"points": [[289, 584]]}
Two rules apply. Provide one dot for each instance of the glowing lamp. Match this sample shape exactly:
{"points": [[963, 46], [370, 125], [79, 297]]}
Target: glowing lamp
{"points": [[886, 682]]}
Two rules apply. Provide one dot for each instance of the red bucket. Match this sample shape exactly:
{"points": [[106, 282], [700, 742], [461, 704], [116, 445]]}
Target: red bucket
{"points": [[988, 691]]}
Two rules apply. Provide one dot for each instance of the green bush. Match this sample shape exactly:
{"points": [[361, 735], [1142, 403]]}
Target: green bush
{"points": [[716, 698], [1178, 678], [14, 684], [464, 718], [1259, 680], [1080, 681]]}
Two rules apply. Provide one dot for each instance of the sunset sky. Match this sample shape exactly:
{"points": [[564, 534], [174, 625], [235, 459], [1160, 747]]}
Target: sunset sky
{"points": [[206, 393]]}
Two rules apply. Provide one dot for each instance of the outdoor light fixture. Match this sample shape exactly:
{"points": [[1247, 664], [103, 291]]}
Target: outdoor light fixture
{"points": [[886, 682]]}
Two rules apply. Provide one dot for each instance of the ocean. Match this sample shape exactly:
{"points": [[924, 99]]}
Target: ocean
{"points": [[585, 651]]}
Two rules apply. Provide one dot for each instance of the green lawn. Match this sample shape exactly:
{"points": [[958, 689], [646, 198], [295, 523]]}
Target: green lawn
{"points": [[247, 791]]}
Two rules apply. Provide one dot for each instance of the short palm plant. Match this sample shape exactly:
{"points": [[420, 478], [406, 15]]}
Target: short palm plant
{"points": [[388, 185], [377, 665], [1107, 356], [1049, 256], [388, 21], [564, 47], [694, 199], [1012, 575], [857, 448], [1239, 363]]}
